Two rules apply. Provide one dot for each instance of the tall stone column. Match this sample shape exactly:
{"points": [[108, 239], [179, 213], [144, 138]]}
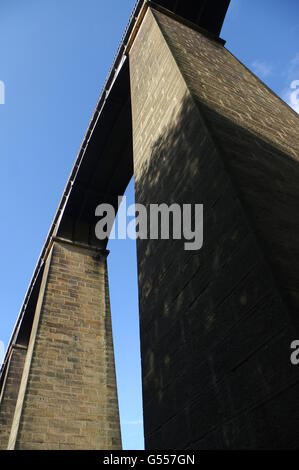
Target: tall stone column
{"points": [[216, 324], [68, 397], [10, 390]]}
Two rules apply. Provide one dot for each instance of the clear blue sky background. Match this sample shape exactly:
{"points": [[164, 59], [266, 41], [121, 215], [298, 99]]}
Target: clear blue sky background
{"points": [[54, 57]]}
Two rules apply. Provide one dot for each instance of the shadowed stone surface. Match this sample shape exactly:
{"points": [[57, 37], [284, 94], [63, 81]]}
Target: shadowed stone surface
{"points": [[216, 325]]}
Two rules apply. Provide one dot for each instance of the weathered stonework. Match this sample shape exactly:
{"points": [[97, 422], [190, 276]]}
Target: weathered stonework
{"points": [[257, 135], [10, 393], [70, 399], [216, 325]]}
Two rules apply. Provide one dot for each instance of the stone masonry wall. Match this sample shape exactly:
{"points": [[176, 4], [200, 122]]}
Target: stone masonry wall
{"points": [[71, 398], [10, 394], [215, 331]]}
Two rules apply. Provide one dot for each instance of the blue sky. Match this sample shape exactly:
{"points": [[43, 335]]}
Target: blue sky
{"points": [[54, 58]]}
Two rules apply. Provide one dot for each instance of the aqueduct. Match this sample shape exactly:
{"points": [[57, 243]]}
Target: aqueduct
{"points": [[194, 126]]}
